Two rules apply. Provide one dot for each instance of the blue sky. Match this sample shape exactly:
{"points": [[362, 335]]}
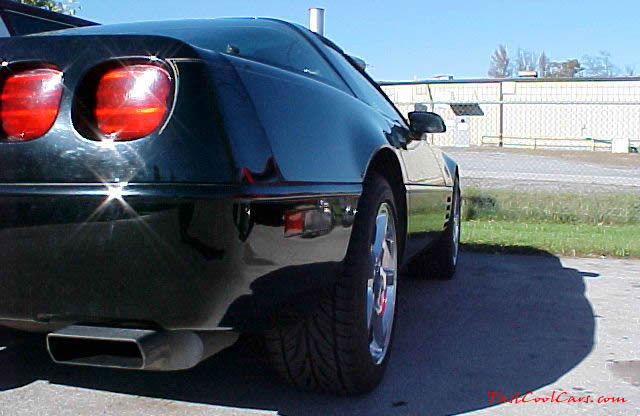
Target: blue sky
{"points": [[408, 39]]}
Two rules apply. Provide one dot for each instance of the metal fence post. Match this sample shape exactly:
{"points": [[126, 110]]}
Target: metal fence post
{"points": [[500, 143]]}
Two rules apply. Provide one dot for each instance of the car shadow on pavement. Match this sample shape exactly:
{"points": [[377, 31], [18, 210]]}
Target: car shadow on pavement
{"points": [[505, 323]]}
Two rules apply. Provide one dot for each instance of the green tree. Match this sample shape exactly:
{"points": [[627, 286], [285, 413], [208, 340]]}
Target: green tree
{"points": [[60, 6]]}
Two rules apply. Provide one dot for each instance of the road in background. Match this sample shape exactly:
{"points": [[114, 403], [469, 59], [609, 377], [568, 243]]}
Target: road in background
{"points": [[506, 323], [575, 170]]}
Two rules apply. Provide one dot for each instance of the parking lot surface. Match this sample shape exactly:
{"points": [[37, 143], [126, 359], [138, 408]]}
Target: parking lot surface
{"points": [[505, 326]]}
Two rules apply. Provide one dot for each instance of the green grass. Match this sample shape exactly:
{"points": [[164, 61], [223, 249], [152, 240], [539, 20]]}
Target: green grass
{"points": [[576, 224], [562, 239], [570, 224], [551, 207]]}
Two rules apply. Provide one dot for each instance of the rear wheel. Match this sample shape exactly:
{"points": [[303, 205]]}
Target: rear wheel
{"points": [[342, 345]]}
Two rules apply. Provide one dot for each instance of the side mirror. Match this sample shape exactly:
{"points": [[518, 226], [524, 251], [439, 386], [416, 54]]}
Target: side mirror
{"points": [[421, 122]]}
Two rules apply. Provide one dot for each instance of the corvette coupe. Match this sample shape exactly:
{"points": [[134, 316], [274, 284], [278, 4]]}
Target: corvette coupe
{"points": [[165, 186]]}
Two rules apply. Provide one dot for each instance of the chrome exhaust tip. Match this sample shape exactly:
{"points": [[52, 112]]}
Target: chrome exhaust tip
{"points": [[134, 349]]}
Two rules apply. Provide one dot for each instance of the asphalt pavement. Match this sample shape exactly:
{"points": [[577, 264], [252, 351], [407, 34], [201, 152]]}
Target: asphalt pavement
{"points": [[507, 325]]}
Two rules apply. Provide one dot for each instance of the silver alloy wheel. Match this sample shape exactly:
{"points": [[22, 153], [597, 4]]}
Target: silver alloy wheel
{"points": [[455, 224], [381, 286]]}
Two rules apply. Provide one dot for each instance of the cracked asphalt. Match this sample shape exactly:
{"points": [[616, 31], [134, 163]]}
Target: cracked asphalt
{"points": [[507, 323]]}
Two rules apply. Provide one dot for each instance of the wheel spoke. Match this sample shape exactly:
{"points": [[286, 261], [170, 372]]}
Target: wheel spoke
{"points": [[388, 317], [387, 253], [378, 331], [388, 258], [381, 227], [390, 275]]}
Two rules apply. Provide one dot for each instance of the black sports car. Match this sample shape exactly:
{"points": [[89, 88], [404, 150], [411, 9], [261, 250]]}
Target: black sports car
{"points": [[165, 186]]}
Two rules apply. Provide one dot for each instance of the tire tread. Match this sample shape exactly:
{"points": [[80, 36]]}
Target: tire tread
{"points": [[323, 350]]}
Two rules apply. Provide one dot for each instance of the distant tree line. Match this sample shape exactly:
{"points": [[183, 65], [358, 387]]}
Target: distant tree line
{"points": [[502, 65]]}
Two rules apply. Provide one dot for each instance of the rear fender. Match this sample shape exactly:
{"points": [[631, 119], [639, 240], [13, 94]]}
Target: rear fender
{"points": [[316, 132]]}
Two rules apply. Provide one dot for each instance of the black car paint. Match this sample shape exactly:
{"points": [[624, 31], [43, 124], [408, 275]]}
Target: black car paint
{"points": [[180, 260], [184, 229]]}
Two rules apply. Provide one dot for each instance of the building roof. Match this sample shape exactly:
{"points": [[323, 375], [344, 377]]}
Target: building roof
{"points": [[496, 80]]}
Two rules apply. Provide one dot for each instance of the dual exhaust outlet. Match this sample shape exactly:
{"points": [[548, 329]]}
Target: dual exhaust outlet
{"points": [[135, 349]]}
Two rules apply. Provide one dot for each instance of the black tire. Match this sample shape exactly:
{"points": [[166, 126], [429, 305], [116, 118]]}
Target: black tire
{"points": [[329, 349], [439, 261]]}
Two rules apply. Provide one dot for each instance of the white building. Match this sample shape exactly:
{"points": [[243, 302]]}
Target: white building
{"points": [[577, 113]]}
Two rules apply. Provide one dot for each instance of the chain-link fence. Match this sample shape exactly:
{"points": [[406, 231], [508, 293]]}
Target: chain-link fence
{"points": [[576, 114], [501, 131], [538, 150]]}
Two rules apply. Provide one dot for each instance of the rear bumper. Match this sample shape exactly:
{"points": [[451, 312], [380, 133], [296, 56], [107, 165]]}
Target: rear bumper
{"points": [[194, 257]]}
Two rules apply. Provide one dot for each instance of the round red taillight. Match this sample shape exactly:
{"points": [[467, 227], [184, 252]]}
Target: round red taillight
{"points": [[132, 101], [29, 103]]}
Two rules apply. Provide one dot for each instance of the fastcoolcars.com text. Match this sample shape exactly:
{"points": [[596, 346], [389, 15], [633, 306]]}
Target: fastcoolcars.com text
{"points": [[562, 397]]}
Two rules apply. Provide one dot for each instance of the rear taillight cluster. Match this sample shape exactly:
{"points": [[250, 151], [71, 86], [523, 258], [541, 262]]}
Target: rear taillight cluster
{"points": [[120, 103], [29, 102], [132, 101]]}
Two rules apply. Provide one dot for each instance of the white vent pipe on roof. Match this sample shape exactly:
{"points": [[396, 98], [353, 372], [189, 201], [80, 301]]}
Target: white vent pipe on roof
{"points": [[316, 20]]}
